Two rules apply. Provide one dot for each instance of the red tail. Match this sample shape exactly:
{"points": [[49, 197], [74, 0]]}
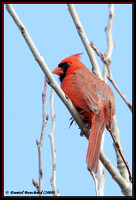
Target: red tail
{"points": [[94, 145]]}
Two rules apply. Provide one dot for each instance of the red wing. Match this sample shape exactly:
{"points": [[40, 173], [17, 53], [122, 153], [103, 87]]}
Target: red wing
{"points": [[81, 90]]}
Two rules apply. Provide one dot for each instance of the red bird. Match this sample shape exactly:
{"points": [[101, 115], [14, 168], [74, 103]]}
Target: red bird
{"points": [[92, 98]]}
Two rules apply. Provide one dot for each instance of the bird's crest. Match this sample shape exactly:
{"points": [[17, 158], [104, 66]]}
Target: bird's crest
{"points": [[72, 58]]}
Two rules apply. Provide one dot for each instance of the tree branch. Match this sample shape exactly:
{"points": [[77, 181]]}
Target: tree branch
{"points": [[120, 93], [47, 72], [51, 135], [121, 154], [81, 32], [101, 173], [95, 183], [107, 73], [39, 144], [107, 62], [126, 186], [110, 43]]}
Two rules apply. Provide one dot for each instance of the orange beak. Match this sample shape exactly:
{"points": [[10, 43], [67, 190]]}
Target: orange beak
{"points": [[58, 71]]}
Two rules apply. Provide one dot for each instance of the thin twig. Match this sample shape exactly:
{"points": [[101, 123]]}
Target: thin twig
{"points": [[110, 43], [35, 184], [120, 93], [120, 152], [118, 146], [107, 62], [39, 144], [120, 164], [51, 135]]}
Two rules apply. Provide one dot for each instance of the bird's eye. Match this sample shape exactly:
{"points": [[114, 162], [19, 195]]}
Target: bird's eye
{"points": [[68, 64]]}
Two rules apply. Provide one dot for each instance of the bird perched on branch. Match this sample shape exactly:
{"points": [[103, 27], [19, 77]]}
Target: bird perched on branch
{"points": [[92, 98]]}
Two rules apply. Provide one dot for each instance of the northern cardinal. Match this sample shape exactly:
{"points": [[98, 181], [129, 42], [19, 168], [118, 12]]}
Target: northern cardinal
{"points": [[92, 98]]}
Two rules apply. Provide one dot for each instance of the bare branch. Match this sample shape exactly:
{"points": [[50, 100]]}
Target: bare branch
{"points": [[51, 135], [81, 32], [106, 74], [95, 182], [101, 179], [110, 43], [120, 164], [45, 118], [107, 62], [35, 184], [126, 186], [47, 72], [101, 173], [121, 154], [120, 93], [39, 144]]}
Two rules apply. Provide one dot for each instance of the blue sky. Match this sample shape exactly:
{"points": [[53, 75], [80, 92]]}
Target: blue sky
{"points": [[53, 32]]}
